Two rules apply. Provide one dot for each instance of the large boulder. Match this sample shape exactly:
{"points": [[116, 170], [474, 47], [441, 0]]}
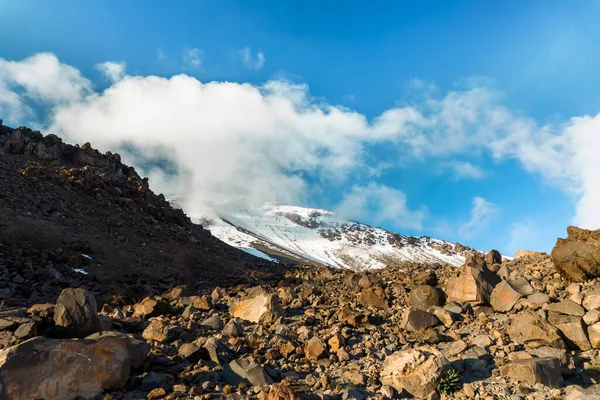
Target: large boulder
{"points": [[416, 371], [75, 313], [257, 306], [573, 328], [417, 320], [425, 296], [150, 307], [55, 369], [578, 256], [493, 257], [504, 297], [474, 284], [374, 297], [531, 371], [530, 329]]}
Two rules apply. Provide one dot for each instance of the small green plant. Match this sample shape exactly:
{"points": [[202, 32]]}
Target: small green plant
{"points": [[450, 382]]}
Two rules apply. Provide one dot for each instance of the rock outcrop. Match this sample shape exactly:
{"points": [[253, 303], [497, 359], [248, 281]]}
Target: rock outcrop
{"points": [[578, 256]]}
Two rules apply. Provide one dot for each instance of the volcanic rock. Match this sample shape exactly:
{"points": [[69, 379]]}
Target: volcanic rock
{"points": [[578, 256], [75, 313], [532, 330], [62, 369], [416, 371], [546, 371]]}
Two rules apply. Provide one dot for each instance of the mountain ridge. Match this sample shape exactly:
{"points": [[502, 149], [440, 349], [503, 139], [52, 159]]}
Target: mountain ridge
{"points": [[315, 236]]}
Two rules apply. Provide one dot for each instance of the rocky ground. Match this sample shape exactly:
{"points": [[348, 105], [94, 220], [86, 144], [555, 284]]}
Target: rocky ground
{"points": [[527, 328]]}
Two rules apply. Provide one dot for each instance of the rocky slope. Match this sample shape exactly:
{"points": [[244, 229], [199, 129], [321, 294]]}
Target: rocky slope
{"points": [[73, 216], [320, 237], [129, 329]]}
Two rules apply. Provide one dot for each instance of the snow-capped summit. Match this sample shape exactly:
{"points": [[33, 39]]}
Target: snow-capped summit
{"points": [[312, 236]]}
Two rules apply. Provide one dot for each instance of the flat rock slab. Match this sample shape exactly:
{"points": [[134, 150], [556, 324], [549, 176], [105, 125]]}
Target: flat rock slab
{"points": [[54, 369], [546, 371]]}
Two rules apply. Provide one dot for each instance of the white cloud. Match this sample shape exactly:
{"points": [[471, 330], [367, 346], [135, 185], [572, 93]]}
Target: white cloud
{"points": [[257, 142], [112, 71], [378, 203], [42, 77], [192, 58], [482, 214], [464, 170], [38, 80], [251, 61]]}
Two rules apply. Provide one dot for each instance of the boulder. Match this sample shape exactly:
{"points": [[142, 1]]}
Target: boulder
{"points": [[374, 297], [528, 254], [416, 371], [594, 335], [572, 327], [428, 278], [504, 297], [75, 313], [336, 342], [245, 370], [473, 284], [416, 320], [531, 371], [578, 256], [315, 348], [591, 301], [425, 296], [160, 331], [192, 352], [150, 307], [530, 329], [233, 329], [202, 303], [493, 257], [258, 306], [521, 285], [61, 369], [281, 392], [213, 322], [177, 293], [537, 300], [568, 307]]}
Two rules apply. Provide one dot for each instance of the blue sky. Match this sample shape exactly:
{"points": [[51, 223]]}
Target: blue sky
{"points": [[459, 64]]}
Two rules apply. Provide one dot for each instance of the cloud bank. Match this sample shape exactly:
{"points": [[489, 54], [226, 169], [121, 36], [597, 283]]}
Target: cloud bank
{"points": [[233, 142]]}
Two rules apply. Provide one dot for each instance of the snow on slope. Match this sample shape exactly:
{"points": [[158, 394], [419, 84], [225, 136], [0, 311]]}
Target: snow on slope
{"points": [[313, 236]]}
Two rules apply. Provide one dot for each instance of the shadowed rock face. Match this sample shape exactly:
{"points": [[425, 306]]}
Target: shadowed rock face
{"points": [[578, 256], [67, 207]]}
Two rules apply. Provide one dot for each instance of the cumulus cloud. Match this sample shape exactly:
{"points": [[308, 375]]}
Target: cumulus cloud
{"points": [[379, 203], [192, 58], [482, 214], [112, 71], [38, 80], [251, 61], [256, 143], [464, 170]]}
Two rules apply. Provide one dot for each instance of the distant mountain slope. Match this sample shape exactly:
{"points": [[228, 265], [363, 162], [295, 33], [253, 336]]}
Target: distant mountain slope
{"points": [[320, 237]]}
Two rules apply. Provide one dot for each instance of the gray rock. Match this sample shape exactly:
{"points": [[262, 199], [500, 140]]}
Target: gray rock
{"points": [[75, 313], [546, 371]]}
